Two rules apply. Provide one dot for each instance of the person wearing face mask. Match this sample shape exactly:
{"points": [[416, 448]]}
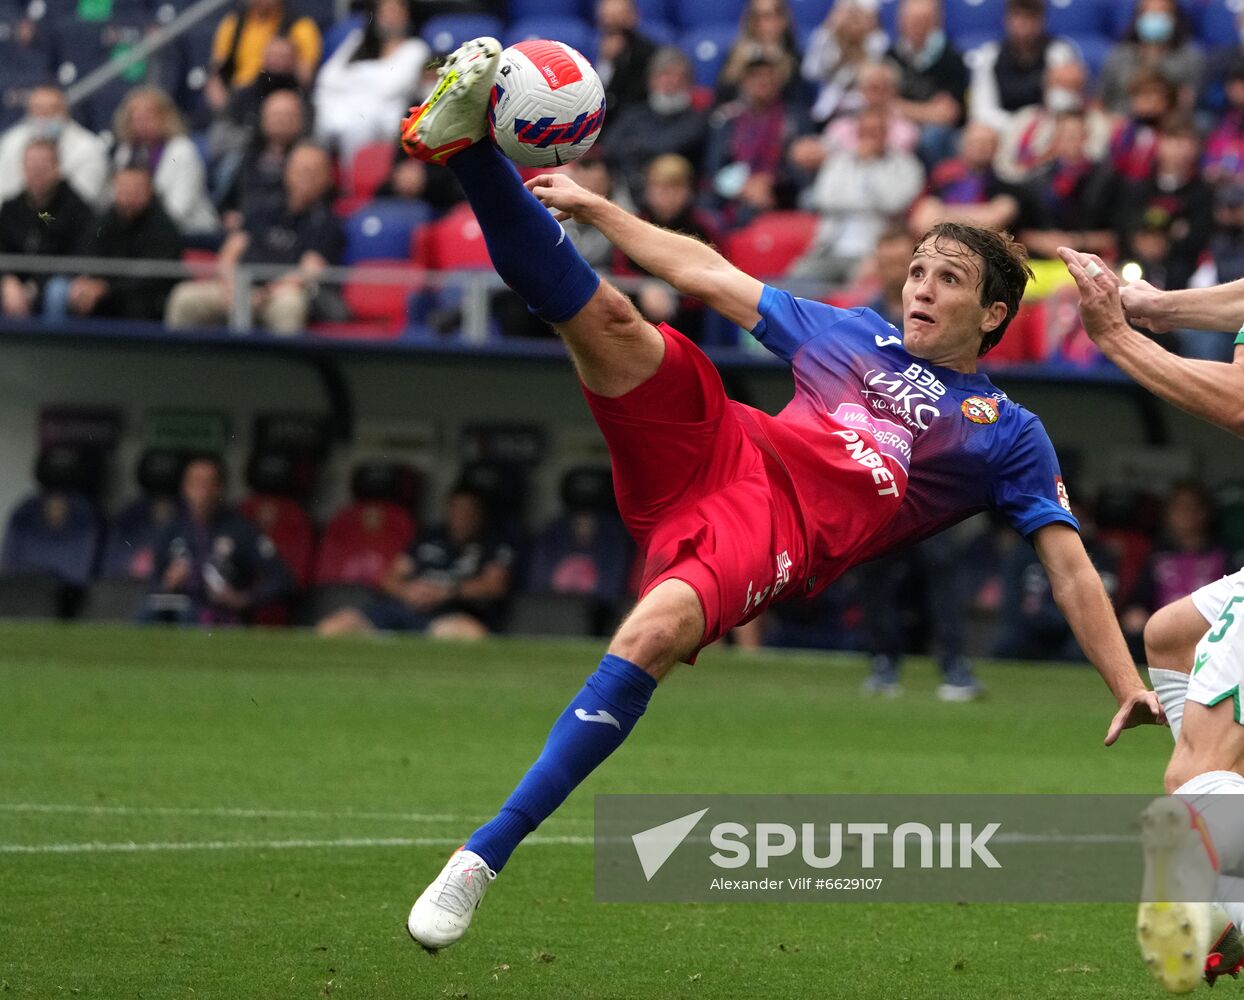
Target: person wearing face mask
{"points": [[83, 155], [667, 123], [1009, 75], [1158, 40], [1026, 143], [369, 81], [934, 81]]}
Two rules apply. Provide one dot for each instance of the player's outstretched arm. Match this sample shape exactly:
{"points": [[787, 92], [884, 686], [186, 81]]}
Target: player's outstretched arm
{"points": [[1220, 307], [1211, 390], [1082, 598], [694, 268]]}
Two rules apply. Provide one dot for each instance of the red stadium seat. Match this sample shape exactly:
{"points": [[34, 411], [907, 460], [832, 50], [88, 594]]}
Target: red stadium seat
{"points": [[452, 243], [379, 308], [1024, 340], [361, 541], [369, 169], [289, 526], [771, 243]]}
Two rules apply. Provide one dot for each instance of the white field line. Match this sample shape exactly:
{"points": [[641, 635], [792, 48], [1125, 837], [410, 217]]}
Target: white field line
{"points": [[226, 812], [125, 847]]}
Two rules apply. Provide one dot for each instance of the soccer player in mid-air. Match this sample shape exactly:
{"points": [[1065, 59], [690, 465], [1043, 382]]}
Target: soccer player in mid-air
{"points": [[891, 436], [1195, 648]]}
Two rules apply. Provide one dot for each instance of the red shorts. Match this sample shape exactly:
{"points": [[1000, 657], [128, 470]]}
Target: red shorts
{"points": [[705, 503]]}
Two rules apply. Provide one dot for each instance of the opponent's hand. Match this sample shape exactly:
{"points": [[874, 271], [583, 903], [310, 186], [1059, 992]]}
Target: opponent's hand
{"points": [[564, 197], [1100, 306], [1143, 305], [1141, 709]]}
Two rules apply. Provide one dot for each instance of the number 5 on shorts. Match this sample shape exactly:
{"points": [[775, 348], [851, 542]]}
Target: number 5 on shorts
{"points": [[1227, 618]]}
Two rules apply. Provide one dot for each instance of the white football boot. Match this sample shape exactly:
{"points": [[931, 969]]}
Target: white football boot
{"points": [[1173, 925], [442, 914], [456, 114]]}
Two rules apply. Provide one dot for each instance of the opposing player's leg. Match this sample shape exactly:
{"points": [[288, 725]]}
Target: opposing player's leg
{"points": [[613, 348], [665, 626], [1198, 833]]}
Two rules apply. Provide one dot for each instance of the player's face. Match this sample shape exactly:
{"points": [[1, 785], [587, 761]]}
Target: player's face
{"points": [[943, 319]]}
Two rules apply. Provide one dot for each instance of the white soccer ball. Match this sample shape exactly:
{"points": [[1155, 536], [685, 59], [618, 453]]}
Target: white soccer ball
{"points": [[547, 104]]}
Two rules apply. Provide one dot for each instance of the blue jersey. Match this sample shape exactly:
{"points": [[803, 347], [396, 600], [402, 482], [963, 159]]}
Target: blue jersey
{"points": [[964, 446]]}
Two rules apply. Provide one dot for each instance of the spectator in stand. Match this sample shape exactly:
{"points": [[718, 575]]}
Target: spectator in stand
{"points": [[234, 126], [745, 161], [1159, 41], [1173, 196], [840, 48], [934, 81], [592, 172], [623, 54], [1026, 144], [136, 227], [666, 123], [856, 193], [258, 180], [83, 155], [1135, 140], [878, 90], [150, 134], [1223, 263], [46, 218], [242, 38], [1073, 190], [452, 583], [1224, 148], [1009, 75], [301, 233], [368, 83], [765, 28], [212, 565], [1031, 627], [413, 179], [669, 201], [1187, 557], [967, 190]]}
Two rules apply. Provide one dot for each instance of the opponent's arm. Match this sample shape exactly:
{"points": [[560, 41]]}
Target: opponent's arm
{"points": [[694, 268], [1082, 598], [1220, 307], [1211, 390]]}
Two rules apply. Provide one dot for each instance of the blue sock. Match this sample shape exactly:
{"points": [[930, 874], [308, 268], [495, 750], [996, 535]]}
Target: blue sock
{"points": [[528, 247], [593, 726]]}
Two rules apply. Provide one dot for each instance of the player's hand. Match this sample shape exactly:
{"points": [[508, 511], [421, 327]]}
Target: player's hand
{"points": [[564, 197], [1143, 305], [1100, 306], [1141, 709]]}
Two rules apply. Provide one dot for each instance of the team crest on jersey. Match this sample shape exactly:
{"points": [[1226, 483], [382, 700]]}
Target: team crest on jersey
{"points": [[980, 409]]}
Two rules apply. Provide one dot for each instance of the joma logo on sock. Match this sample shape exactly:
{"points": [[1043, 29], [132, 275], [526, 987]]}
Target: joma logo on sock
{"points": [[601, 716]]}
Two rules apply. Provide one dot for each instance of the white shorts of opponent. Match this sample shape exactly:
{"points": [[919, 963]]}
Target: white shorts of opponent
{"points": [[1218, 670]]}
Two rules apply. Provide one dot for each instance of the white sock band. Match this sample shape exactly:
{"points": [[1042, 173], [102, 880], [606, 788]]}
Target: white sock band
{"points": [[1230, 891], [1213, 795], [1171, 687]]}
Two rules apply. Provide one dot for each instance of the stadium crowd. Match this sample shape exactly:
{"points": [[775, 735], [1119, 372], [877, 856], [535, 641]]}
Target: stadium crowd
{"points": [[1112, 127], [811, 151]]}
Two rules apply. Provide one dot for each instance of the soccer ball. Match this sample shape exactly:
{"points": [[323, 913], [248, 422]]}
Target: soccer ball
{"points": [[547, 104]]}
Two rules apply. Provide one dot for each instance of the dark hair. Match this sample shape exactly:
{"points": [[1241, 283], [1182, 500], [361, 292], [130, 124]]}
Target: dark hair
{"points": [[370, 44], [1004, 268], [1034, 7]]}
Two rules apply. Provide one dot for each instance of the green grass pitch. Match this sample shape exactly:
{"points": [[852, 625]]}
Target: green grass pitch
{"points": [[264, 807]]}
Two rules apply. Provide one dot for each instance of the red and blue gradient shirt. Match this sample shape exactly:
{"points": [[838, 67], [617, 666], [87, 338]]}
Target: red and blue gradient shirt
{"points": [[956, 444]]}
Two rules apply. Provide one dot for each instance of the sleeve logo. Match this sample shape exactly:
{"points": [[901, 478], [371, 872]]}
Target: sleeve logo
{"points": [[1064, 501], [980, 409]]}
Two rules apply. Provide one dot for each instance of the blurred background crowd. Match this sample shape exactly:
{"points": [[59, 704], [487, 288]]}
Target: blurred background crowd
{"points": [[809, 141]]}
